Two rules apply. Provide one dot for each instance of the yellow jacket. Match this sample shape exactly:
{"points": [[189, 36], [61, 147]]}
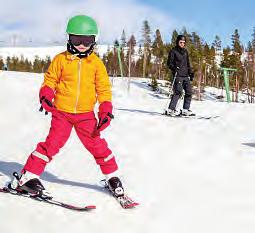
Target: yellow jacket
{"points": [[78, 83]]}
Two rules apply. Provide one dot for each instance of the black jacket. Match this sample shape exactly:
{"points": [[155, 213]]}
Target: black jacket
{"points": [[178, 61]]}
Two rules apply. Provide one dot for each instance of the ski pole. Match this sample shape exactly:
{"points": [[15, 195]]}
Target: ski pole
{"points": [[171, 91], [172, 85], [178, 103]]}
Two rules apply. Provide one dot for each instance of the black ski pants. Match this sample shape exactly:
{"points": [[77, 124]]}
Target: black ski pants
{"points": [[180, 84]]}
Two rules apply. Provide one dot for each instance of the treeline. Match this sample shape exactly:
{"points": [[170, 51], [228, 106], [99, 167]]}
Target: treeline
{"points": [[147, 57], [21, 64]]}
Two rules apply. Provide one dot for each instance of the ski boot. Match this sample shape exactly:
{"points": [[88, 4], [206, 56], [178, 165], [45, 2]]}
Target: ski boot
{"points": [[115, 186], [187, 112], [29, 183], [172, 113]]}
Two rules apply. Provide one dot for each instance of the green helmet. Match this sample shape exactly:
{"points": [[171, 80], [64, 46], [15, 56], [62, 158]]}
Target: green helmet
{"points": [[82, 25]]}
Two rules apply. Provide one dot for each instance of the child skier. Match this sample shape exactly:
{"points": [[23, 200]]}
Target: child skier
{"points": [[75, 81]]}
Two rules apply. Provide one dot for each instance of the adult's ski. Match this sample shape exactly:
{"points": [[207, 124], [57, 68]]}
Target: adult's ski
{"points": [[193, 116]]}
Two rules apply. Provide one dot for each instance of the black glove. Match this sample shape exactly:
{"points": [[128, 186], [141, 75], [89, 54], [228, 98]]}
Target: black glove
{"points": [[191, 76], [175, 71]]}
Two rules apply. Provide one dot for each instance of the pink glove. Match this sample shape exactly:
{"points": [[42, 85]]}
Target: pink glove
{"points": [[104, 115], [46, 96]]}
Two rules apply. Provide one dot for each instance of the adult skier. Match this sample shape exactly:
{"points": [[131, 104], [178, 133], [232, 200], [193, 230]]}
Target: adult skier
{"points": [[178, 62], [75, 81]]}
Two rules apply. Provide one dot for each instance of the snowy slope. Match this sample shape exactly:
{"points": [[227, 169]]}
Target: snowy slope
{"points": [[51, 51], [189, 175], [42, 52]]}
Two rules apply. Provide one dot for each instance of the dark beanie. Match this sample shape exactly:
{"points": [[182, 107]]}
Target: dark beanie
{"points": [[180, 37]]}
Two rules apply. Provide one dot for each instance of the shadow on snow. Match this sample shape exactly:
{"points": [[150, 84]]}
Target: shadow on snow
{"points": [[7, 168], [140, 111], [249, 144]]}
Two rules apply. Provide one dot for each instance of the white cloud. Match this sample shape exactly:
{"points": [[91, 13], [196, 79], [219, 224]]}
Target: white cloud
{"points": [[45, 21]]}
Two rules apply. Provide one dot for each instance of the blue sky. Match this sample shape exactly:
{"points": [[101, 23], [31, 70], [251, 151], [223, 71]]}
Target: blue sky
{"points": [[44, 22], [211, 17]]}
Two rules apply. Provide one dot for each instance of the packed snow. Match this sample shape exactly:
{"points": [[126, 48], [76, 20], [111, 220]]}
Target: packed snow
{"points": [[189, 175]]}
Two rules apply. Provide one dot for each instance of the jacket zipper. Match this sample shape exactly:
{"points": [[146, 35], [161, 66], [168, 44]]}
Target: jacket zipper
{"points": [[78, 86]]}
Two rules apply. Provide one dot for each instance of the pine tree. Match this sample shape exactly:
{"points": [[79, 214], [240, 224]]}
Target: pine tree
{"points": [[1, 63], [113, 59], [14, 64], [47, 64], [110, 63], [28, 65], [249, 47], [37, 65], [253, 40], [226, 57], [21, 64], [195, 48], [237, 50], [174, 38], [158, 52], [187, 35], [146, 35], [139, 63], [217, 43], [131, 51], [167, 74], [123, 45], [236, 44], [123, 39], [252, 69], [248, 69]]}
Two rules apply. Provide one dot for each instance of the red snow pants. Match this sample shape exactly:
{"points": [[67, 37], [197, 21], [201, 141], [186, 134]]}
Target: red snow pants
{"points": [[61, 126]]}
